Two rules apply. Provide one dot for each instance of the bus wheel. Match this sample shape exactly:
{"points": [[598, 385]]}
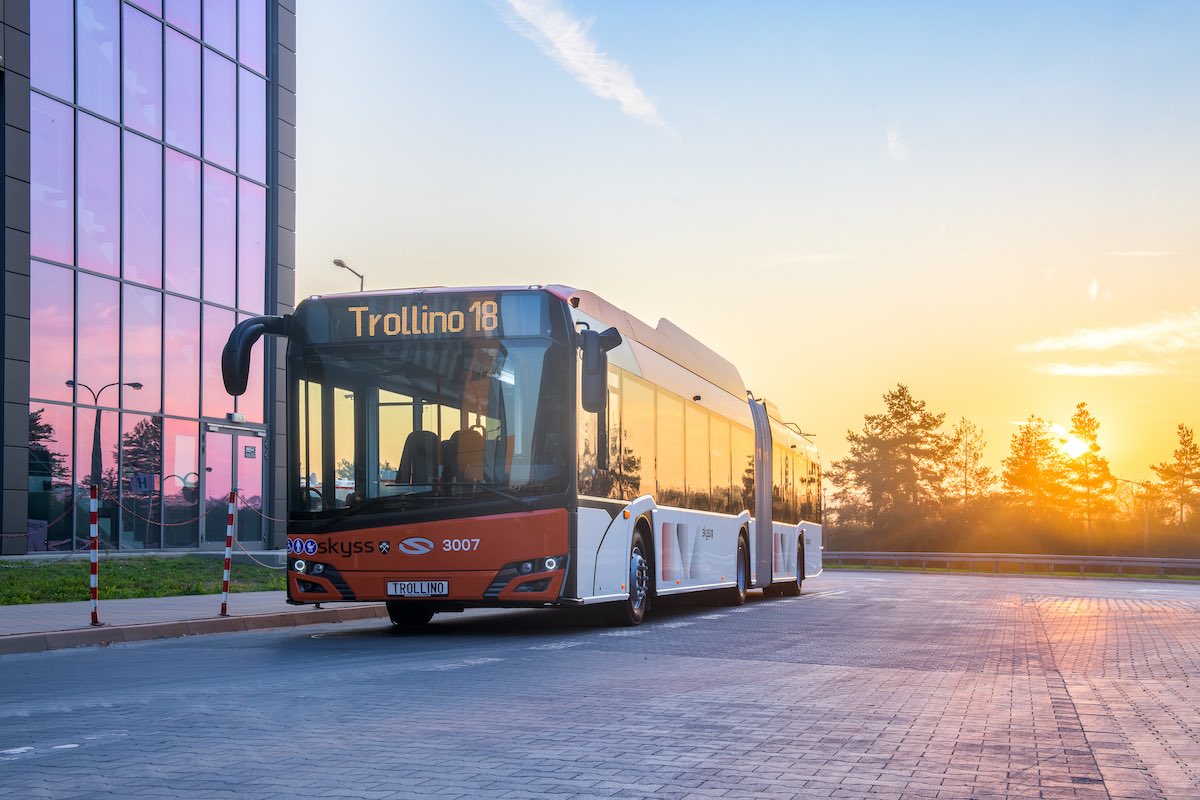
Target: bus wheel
{"points": [[792, 588], [736, 594], [409, 615], [633, 610]]}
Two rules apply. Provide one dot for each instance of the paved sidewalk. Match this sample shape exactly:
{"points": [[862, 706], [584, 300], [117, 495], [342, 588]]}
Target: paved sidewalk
{"points": [[49, 626]]}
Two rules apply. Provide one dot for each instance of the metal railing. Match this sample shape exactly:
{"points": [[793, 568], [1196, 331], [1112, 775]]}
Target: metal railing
{"points": [[1043, 563]]}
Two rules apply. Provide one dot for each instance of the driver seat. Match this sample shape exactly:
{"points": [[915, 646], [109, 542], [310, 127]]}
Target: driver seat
{"points": [[419, 461]]}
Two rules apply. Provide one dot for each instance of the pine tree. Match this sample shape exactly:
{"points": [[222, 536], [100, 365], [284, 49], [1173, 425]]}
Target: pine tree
{"points": [[1181, 478], [1091, 481], [1034, 473], [967, 478]]}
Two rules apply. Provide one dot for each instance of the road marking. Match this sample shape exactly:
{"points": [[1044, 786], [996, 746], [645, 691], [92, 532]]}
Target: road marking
{"points": [[630, 632], [64, 746], [555, 645], [467, 662], [676, 624], [16, 751], [712, 616]]}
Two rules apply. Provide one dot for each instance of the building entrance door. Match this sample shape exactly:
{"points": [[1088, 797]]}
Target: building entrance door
{"points": [[232, 457]]}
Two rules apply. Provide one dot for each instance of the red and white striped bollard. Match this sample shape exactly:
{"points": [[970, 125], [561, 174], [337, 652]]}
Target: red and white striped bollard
{"points": [[228, 553], [94, 545]]}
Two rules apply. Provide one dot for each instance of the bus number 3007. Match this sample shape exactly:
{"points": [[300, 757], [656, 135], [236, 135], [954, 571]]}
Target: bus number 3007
{"points": [[459, 545]]}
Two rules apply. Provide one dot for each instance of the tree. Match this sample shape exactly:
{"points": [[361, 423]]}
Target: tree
{"points": [[1091, 482], [896, 464], [967, 478], [345, 469], [1034, 473], [1181, 478], [44, 462]]}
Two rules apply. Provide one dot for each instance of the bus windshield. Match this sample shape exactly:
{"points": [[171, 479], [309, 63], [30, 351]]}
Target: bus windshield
{"points": [[391, 425]]}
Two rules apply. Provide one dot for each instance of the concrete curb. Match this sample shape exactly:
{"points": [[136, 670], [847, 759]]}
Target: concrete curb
{"points": [[115, 634]]}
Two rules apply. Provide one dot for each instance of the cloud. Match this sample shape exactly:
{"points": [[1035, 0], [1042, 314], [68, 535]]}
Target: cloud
{"points": [[897, 147], [565, 38], [1142, 253], [1094, 289], [1118, 369], [1173, 333]]}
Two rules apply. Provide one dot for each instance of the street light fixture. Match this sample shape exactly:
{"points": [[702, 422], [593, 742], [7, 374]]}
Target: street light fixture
{"points": [[337, 262], [96, 432]]}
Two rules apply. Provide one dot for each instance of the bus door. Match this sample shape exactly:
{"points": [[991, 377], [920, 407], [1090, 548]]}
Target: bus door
{"points": [[232, 457], [764, 531]]}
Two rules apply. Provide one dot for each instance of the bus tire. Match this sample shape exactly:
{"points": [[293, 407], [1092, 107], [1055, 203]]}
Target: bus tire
{"points": [[408, 615], [736, 594], [792, 588], [632, 611]]}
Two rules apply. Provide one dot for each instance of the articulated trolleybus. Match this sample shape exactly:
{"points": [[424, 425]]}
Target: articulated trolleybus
{"points": [[521, 447]]}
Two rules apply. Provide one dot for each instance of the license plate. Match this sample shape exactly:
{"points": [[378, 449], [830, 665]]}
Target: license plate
{"points": [[418, 588]]}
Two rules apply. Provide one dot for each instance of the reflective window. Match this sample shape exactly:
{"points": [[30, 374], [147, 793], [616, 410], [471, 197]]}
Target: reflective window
{"points": [[181, 340], [143, 72], [51, 349], [51, 67], [143, 210], [216, 325], [99, 215], [220, 24], [252, 125], [220, 243], [52, 175], [718, 465], [637, 437], [181, 483], [249, 455], [141, 358], [182, 98], [98, 317], [252, 253], [252, 34], [185, 15], [697, 457], [97, 29], [742, 444], [153, 6], [251, 402], [220, 110], [182, 219], [670, 449], [50, 489], [308, 445], [218, 480], [97, 456], [141, 470]]}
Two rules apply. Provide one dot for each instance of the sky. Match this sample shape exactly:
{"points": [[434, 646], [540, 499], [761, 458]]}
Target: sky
{"points": [[995, 203]]}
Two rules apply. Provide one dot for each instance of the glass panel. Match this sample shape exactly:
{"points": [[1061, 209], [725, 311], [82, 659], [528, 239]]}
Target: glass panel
{"points": [[180, 483], [182, 218], [143, 210], [141, 475], [220, 110], [612, 430], [220, 24], [97, 27], [252, 126], [251, 402], [153, 6], [96, 454], [252, 253], [50, 490], [718, 464], [670, 449], [51, 67], [742, 442], [308, 439], [220, 245], [98, 317], [215, 332], [184, 14], [395, 423], [143, 72], [51, 328], [182, 98], [249, 486], [696, 450], [142, 355], [52, 176], [181, 328], [343, 447], [99, 218], [218, 480], [637, 437], [252, 34]]}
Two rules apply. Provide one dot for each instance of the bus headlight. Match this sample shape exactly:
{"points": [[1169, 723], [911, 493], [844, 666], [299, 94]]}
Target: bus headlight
{"points": [[299, 565], [551, 564]]}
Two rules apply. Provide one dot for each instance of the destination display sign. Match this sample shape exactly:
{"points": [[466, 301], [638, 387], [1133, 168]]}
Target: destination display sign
{"points": [[440, 315]]}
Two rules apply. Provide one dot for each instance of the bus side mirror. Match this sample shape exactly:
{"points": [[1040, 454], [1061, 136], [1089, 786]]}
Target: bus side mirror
{"points": [[235, 358], [594, 384]]}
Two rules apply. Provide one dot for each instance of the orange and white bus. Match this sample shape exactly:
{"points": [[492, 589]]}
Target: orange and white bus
{"points": [[527, 446]]}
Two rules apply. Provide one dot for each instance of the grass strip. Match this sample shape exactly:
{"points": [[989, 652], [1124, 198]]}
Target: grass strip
{"points": [[121, 578]]}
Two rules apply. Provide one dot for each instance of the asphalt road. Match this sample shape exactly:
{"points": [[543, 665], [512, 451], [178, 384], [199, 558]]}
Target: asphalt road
{"points": [[870, 685]]}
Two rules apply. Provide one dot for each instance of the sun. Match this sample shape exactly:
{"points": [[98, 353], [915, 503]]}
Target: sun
{"points": [[1074, 447]]}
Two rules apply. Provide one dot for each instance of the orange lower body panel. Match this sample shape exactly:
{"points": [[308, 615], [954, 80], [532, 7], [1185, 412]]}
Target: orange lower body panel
{"points": [[471, 554]]}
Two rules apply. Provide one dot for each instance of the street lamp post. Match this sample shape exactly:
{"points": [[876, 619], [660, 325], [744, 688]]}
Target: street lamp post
{"points": [[96, 432], [337, 262]]}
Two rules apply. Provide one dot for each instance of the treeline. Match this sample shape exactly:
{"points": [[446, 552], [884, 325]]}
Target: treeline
{"points": [[908, 483]]}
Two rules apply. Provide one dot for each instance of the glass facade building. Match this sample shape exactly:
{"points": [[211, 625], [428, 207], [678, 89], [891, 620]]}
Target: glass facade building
{"points": [[149, 206]]}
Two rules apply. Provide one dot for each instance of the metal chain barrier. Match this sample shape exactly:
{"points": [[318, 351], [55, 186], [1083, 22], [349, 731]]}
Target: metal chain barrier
{"points": [[252, 558], [268, 517]]}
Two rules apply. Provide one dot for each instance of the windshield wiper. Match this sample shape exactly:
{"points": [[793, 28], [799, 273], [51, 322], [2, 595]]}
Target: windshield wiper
{"points": [[524, 503], [401, 501]]}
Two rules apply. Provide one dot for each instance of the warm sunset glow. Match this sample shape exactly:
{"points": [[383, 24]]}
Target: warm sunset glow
{"points": [[1074, 447]]}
